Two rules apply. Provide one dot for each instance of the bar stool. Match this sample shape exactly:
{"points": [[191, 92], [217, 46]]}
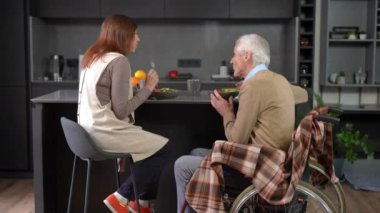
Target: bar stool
{"points": [[82, 145]]}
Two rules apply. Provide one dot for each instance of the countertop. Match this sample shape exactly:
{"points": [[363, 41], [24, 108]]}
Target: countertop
{"points": [[71, 96]]}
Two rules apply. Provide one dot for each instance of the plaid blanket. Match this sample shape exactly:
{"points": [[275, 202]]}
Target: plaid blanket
{"points": [[273, 172]]}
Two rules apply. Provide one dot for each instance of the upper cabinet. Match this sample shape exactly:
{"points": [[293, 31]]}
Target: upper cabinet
{"points": [[65, 8], [196, 8], [262, 9], [133, 8], [281, 9]]}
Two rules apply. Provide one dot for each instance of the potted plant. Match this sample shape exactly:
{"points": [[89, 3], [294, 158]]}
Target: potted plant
{"points": [[361, 173], [341, 79], [353, 141], [351, 35], [350, 141]]}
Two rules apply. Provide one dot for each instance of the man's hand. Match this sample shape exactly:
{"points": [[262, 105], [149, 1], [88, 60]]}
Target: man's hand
{"points": [[222, 106], [238, 84]]}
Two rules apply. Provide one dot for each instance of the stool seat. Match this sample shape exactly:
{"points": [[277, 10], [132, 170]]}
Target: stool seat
{"points": [[83, 147]]}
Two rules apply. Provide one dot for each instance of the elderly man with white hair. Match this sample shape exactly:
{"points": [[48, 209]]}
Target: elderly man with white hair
{"points": [[265, 114]]}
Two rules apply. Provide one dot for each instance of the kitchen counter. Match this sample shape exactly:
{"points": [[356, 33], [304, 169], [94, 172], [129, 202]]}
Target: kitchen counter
{"points": [[71, 96], [188, 121], [59, 96], [43, 87]]}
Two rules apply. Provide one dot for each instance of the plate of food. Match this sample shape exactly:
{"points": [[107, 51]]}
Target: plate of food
{"points": [[227, 92], [164, 93]]}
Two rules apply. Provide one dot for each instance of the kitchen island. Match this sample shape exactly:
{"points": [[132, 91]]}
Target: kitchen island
{"points": [[188, 121]]}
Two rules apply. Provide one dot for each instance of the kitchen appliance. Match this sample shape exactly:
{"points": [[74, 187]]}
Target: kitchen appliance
{"points": [[223, 73], [223, 69], [56, 66]]}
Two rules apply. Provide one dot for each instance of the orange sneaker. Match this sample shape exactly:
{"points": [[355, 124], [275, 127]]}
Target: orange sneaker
{"points": [[133, 208], [114, 204]]}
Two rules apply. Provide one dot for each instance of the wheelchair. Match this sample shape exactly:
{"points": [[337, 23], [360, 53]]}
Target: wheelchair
{"points": [[328, 197]]}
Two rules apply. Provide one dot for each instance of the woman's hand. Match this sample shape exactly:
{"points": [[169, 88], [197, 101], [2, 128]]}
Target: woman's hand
{"points": [[221, 105], [151, 80]]}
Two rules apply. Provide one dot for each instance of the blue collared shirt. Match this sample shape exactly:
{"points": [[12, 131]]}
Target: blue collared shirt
{"points": [[255, 70]]}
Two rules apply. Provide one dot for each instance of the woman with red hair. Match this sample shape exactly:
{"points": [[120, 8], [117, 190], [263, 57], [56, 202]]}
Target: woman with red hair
{"points": [[106, 110]]}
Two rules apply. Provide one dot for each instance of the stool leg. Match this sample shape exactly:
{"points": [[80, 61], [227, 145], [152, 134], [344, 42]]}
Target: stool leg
{"points": [[72, 184], [87, 195], [117, 174], [134, 184]]}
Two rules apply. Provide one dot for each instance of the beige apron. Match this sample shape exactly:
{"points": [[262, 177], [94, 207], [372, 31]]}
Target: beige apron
{"points": [[108, 132]]}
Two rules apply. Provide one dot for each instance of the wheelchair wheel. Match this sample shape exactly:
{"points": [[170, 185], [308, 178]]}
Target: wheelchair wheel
{"points": [[333, 191], [306, 199]]}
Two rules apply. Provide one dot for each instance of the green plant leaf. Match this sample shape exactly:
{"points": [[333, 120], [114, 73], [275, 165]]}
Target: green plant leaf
{"points": [[352, 140]]}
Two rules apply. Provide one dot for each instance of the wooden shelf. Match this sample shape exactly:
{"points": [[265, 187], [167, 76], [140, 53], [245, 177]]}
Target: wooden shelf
{"points": [[306, 33], [362, 109], [306, 75], [347, 41], [307, 19], [307, 5], [351, 85]]}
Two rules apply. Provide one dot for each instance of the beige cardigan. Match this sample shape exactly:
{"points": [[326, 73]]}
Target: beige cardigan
{"points": [[110, 133], [266, 112]]}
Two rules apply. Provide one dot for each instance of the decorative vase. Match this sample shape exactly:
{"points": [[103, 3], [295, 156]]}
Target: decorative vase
{"points": [[341, 80], [363, 78], [332, 77], [362, 36]]}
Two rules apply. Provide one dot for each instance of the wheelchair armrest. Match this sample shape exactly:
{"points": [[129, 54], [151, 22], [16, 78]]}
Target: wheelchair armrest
{"points": [[328, 119], [335, 110]]}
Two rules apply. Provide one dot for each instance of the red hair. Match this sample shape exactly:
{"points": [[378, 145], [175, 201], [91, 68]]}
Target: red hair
{"points": [[116, 34]]}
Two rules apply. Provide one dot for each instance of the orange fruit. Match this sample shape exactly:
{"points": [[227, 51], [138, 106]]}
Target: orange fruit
{"points": [[140, 74], [134, 81]]}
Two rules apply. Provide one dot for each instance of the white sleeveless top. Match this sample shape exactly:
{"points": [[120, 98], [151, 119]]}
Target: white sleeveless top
{"points": [[110, 133]]}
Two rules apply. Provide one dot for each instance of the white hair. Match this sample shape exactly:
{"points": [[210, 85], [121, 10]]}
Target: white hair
{"points": [[256, 45]]}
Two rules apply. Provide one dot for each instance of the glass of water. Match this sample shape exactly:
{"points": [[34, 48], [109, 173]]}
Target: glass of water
{"points": [[194, 86]]}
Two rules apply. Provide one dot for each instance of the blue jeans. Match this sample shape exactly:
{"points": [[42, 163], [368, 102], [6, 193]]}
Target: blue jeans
{"points": [[184, 169], [147, 175]]}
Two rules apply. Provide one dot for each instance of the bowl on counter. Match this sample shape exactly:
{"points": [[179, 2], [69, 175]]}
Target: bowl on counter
{"points": [[228, 91], [164, 93]]}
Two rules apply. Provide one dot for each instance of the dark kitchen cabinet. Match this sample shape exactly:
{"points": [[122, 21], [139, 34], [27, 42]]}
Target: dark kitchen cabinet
{"points": [[12, 44], [14, 151], [14, 143], [65, 8], [196, 8], [133, 8], [43, 88], [262, 9]]}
